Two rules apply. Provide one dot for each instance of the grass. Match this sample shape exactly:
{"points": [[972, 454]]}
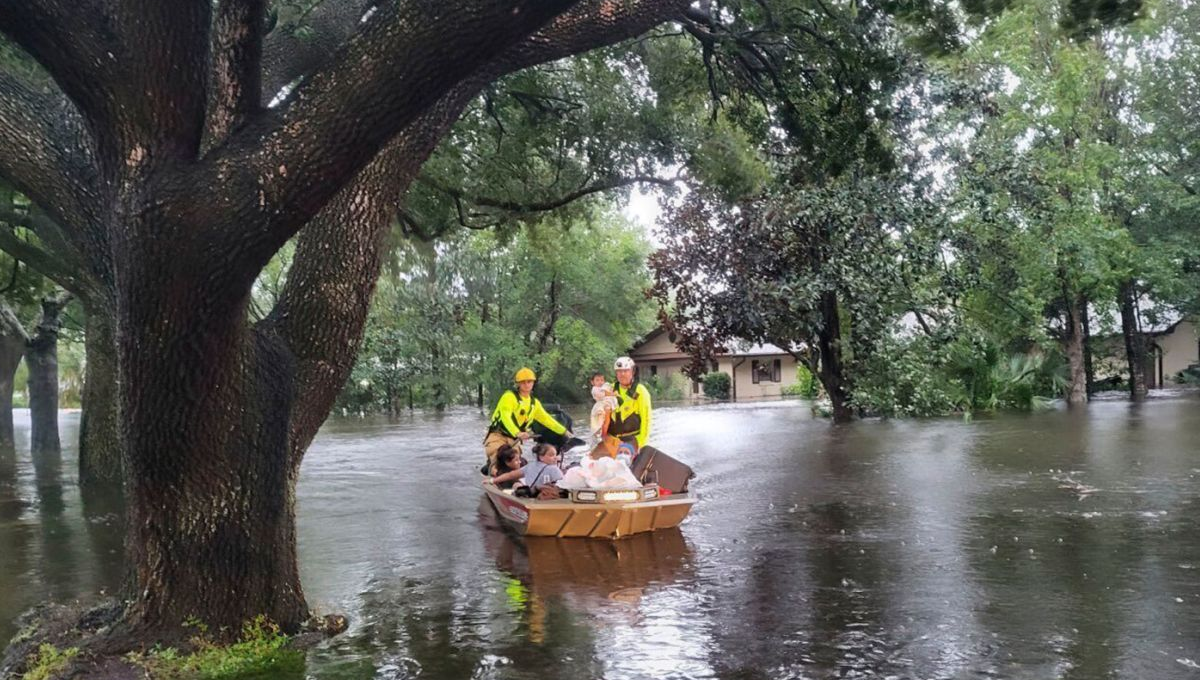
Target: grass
{"points": [[260, 652], [50, 661]]}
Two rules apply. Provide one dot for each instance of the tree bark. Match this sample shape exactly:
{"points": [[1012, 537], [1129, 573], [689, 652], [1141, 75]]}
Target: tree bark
{"points": [[1089, 367], [100, 457], [41, 356], [1073, 347], [1135, 342], [832, 373], [12, 349], [209, 479]]}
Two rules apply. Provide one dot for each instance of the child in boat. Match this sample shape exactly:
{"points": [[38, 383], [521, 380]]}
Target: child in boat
{"points": [[544, 471], [509, 470], [606, 403]]}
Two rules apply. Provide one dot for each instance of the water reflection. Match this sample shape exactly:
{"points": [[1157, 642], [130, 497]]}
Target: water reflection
{"points": [[50, 546], [1060, 544]]}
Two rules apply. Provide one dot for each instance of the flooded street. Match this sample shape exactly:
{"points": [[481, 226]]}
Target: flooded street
{"points": [[1050, 545]]}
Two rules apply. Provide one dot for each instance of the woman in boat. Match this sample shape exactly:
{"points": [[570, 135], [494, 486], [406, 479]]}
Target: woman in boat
{"points": [[544, 471], [515, 412], [630, 421], [509, 470]]}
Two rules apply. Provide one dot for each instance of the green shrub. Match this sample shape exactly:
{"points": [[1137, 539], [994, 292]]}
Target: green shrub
{"points": [[1189, 375], [806, 385], [49, 662], [261, 652], [919, 377], [717, 385], [668, 387]]}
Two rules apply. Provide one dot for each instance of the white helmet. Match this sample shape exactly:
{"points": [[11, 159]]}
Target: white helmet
{"points": [[623, 362]]}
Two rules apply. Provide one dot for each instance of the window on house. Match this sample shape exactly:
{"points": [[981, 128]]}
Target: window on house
{"points": [[715, 367], [653, 370], [766, 371]]}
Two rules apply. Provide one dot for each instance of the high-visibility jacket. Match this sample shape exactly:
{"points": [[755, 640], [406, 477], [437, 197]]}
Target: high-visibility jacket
{"points": [[514, 414], [631, 418]]}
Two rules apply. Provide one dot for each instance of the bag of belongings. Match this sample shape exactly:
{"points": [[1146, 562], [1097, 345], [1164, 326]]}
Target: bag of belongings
{"points": [[602, 473]]}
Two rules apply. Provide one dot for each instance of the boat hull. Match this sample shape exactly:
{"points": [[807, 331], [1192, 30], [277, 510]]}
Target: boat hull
{"points": [[567, 519]]}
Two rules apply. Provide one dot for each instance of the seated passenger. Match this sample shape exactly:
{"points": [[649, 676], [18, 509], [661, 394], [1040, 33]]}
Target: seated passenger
{"points": [[509, 468], [544, 471]]}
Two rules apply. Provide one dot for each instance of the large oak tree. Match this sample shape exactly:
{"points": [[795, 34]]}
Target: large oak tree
{"points": [[145, 139]]}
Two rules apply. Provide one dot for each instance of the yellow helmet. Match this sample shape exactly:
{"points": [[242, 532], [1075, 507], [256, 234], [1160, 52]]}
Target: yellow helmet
{"points": [[524, 374]]}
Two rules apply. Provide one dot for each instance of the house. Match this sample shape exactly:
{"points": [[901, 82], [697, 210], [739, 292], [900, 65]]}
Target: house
{"points": [[1172, 350], [1172, 347], [757, 371]]}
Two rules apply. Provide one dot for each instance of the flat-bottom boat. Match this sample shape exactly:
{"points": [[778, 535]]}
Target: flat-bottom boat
{"points": [[592, 513]]}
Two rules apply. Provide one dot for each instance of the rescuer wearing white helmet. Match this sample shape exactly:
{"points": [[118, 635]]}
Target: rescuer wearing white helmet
{"points": [[630, 421]]}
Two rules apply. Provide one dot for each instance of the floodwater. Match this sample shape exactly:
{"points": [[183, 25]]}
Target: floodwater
{"points": [[1048, 545]]}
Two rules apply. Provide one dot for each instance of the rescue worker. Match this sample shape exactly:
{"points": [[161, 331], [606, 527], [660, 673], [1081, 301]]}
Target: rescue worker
{"points": [[630, 421], [515, 411]]}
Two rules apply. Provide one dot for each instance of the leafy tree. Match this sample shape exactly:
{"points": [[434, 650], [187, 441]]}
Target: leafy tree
{"points": [[824, 272], [456, 318]]}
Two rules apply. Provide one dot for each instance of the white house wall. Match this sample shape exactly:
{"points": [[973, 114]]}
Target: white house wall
{"points": [[1180, 349]]}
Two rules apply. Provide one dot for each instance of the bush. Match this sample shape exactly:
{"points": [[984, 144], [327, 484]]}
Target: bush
{"points": [[806, 385], [665, 388], [717, 385], [920, 377], [1189, 375]]}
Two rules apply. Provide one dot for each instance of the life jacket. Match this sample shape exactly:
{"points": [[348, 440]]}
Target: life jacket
{"points": [[522, 416], [626, 418]]}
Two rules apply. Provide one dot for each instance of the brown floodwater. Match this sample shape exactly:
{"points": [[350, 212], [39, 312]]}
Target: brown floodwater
{"points": [[1047, 545]]}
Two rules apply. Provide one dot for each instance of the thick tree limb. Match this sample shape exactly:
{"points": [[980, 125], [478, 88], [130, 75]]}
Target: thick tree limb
{"points": [[288, 164], [288, 54], [135, 69], [69, 40], [56, 265], [338, 254], [44, 151], [235, 81]]}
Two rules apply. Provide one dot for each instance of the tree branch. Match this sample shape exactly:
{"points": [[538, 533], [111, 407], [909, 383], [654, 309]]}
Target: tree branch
{"points": [[338, 257], [235, 82], [44, 151], [108, 57], [57, 267], [297, 47], [551, 204], [66, 39], [286, 165], [1191, 191]]}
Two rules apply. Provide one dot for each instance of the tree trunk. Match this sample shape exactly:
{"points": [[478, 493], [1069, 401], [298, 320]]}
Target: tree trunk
{"points": [[1135, 342], [100, 425], [41, 356], [210, 481], [1073, 347], [1089, 368], [832, 373], [12, 348]]}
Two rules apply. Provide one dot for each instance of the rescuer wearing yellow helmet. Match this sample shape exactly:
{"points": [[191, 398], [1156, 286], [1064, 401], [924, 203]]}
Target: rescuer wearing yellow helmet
{"points": [[630, 421], [514, 413]]}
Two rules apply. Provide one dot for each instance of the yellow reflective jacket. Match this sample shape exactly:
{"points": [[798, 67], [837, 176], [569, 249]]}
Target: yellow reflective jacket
{"points": [[514, 415], [632, 415]]}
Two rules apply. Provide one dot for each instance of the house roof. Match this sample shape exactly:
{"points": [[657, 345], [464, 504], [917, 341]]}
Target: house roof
{"points": [[737, 348]]}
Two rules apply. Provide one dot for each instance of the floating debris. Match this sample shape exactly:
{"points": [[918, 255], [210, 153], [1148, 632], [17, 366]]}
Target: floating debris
{"points": [[1068, 483]]}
